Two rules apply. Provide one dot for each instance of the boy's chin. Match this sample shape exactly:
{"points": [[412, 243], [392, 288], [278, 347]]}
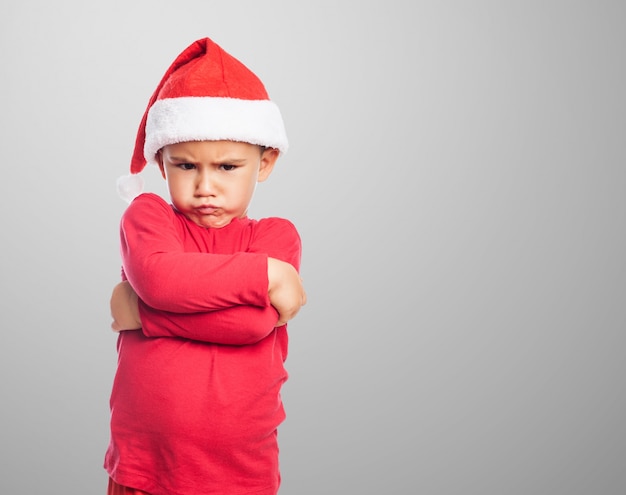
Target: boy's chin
{"points": [[211, 221]]}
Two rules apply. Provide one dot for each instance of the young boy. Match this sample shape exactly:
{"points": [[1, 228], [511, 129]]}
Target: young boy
{"points": [[196, 402]]}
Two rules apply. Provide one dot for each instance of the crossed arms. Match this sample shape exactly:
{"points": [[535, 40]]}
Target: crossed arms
{"points": [[226, 299]]}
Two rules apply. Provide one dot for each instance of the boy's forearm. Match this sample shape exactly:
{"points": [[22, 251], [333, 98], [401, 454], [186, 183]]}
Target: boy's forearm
{"points": [[234, 326], [241, 279], [240, 325]]}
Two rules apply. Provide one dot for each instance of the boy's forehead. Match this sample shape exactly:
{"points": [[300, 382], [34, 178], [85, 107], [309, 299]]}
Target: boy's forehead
{"points": [[213, 148]]}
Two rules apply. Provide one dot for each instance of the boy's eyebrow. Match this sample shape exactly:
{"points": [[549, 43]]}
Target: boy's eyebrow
{"points": [[231, 160], [179, 159]]}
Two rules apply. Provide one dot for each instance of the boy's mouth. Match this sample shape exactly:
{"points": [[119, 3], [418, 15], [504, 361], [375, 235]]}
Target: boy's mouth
{"points": [[206, 209]]}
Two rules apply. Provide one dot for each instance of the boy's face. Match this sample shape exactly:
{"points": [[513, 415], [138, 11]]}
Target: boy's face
{"points": [[212, 182]]}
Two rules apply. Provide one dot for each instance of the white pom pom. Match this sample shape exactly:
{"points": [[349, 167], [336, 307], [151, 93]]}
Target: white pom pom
{"points": [[129, 186]]}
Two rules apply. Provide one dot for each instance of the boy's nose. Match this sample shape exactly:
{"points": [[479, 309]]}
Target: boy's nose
{"points": [[204, 184]]}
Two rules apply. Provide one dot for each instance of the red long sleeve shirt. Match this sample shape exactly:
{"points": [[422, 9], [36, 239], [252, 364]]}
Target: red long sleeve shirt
{"points": [[196, 397]]}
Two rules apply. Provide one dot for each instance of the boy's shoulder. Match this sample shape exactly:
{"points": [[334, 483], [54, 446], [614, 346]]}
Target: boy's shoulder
{"points": [[148, 201], [148, 207], [275, 224], [277, 237], [275, 221], [148, 197], [275, 230]]}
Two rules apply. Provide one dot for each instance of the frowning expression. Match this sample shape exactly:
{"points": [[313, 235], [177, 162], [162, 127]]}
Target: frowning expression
{"points": [[212, 182]]}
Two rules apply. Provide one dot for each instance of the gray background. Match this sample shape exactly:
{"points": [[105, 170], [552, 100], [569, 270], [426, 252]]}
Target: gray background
{"points": [[457, 173]]}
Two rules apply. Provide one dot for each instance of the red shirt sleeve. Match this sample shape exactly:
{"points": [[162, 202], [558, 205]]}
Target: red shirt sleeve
{"points": [[167, 278], [240, 325]]}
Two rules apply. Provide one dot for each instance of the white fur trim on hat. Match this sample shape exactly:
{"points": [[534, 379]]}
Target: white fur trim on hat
{"points": [[197, 118]]}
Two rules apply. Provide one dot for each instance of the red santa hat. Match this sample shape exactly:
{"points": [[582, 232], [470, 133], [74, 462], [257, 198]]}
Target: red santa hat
{"points": [[205, 95]]}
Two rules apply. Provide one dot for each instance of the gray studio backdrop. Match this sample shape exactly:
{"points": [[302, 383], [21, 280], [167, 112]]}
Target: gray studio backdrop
{"points": [[457, 173]]}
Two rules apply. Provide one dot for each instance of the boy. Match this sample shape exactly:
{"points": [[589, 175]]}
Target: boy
{"points": [[196, 403]]}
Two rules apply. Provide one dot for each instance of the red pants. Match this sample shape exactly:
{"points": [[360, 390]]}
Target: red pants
{"points": [[115, 489]]}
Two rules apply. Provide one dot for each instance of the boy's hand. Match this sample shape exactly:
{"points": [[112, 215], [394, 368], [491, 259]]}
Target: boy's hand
{"points": [[124, 308], [285, 289]]}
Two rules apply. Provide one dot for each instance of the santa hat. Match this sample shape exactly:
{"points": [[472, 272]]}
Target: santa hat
{"points": [[205, 95]]}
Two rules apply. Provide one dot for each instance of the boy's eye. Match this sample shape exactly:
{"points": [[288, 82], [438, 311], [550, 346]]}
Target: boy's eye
{"points": [[186, 166], [228, 167]]}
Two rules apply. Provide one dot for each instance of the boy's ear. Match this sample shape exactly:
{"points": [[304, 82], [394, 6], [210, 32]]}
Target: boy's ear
{"points": [[159, 160], [268, 160]]}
